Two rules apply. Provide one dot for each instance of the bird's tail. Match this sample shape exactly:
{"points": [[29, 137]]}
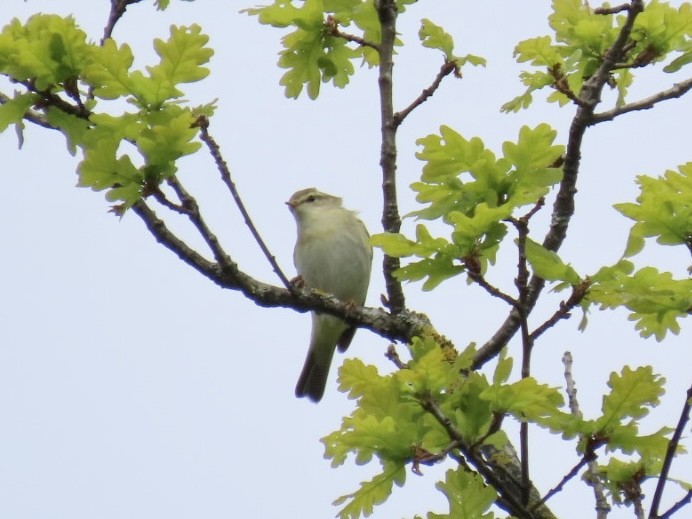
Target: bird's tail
{"points": [[313, 378]]}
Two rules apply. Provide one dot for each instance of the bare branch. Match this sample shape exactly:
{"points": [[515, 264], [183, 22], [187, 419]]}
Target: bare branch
{"points": [[225, 172], [670, 454], [118, 8], [391, 220], [571, 386], [570, 475], [478, 278], [447, 68], [589, 458], [565, 309], [400, 327], [677, 90], [677, 506]]}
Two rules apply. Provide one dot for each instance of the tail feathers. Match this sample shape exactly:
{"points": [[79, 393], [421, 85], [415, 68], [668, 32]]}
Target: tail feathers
{"points": [[313, 378], [312, 381]]}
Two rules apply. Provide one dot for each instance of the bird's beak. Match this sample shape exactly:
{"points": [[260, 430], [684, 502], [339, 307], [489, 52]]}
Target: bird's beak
{"points": [[291, 205]]}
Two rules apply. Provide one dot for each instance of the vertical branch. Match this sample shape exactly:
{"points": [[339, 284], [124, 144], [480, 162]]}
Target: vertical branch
{"points": [[391, 221], [521, 282], [592, 477]]}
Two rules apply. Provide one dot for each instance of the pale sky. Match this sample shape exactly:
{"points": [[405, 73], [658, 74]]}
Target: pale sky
{"points": [[133, 388]]}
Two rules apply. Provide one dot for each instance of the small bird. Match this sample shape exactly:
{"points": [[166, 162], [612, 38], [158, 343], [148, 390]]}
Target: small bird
{"points": [[333, 255]]}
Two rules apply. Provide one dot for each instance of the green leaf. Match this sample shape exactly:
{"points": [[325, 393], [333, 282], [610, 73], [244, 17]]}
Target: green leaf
{"points": [[468, 496], [371, 493], [655, 299], [503, 369], [434, 37], [108, 71], [47, 49], [548, 265], [12, 111], [525, 399], [663, 209], [167, 137], [311, 54], [631, 393], [182, 57]]}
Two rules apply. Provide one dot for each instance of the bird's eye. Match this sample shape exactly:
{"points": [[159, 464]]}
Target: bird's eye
{"points": [[311, 198]]}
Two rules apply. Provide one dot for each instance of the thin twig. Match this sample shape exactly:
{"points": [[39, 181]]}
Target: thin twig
{"points": [[447, 68], [480, 280], [521, 283], [677, 506], [558, 488], [677, 90], [332, 24], [392, 355], [191, 208], [670, 454], [565, 308], [225, 172], [161, 198]]}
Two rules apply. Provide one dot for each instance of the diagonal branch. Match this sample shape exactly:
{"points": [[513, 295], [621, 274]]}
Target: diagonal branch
{"points": [[563, 207], [677, 90], [332, 24], [670, 454], [400, 327], [222, 166], [446, 69]]}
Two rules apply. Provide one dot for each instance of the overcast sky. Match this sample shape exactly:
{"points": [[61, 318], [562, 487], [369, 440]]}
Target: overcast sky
{"points": [[131, 387]]}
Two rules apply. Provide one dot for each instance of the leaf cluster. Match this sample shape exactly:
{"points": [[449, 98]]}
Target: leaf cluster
{"points": [[316, 51], [68, 78], [475, 193], [417, 415], [583, 35]]}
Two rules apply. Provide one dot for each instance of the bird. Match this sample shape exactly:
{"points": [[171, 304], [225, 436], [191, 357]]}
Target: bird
{"points": [[333, 255]]}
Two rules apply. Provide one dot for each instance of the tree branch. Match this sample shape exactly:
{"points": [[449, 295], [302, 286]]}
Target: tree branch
{"points": [[565, 309], [670, 454], [222, 166], [400, 327], [447, 68], [391, 220], [508, 488], [677, 506], [563, 207], [676, 91], [478, 278]]}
